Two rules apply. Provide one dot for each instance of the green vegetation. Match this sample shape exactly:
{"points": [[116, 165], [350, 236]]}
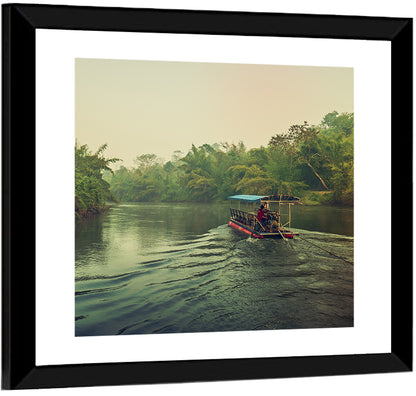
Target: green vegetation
{"points": [[312, 162], [91, 190]]}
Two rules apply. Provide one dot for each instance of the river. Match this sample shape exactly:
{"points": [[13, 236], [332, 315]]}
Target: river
{"points": [[144, 268]]}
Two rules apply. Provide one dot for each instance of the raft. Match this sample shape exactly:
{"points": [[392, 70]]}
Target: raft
{"points": [[246, 222]]}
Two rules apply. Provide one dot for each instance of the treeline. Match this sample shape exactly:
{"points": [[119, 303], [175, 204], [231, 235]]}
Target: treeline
{"points": [[313, 162], [91, 190]]}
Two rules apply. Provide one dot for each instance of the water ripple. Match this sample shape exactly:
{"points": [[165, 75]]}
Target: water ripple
{"points": [[102, 290]]}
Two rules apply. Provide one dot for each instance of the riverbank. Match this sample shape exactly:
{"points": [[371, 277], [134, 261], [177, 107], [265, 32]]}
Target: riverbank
{"points": [[86, 213], [312, 198]]}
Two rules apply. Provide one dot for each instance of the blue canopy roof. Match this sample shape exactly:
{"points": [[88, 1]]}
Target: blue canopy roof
{"points": [[280, 198], [247, 198]]}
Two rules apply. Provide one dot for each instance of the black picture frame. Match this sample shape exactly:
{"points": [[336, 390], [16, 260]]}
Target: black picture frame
{"points": [[19, 370]]}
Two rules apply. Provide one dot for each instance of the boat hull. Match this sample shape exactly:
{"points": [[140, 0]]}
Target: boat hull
{"points": [[260, 235]]}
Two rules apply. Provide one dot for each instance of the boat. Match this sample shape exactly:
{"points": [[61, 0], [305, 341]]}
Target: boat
{"points": [[246, 221]]}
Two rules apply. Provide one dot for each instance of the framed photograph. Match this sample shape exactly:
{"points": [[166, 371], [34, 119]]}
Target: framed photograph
{"points": [[186, 141]]}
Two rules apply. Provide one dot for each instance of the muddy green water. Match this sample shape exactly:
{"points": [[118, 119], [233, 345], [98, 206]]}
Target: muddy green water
{"points": [[160, 268]]}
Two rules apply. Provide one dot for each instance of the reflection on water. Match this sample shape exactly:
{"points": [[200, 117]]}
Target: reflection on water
{"points": [[160, 268], [336, 220]]}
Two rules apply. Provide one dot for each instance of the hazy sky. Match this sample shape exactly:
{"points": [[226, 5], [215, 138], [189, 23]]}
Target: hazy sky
{"points": [[141, 107]]}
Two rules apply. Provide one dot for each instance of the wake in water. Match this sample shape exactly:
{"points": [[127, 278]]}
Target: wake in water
{"points": [[217, 281]]}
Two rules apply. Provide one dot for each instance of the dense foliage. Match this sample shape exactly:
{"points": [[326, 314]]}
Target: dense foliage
{"points": [[313, 162], [91, 190]]}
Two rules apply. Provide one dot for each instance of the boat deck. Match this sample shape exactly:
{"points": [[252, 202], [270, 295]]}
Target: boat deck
{"points": [[284, 233]]}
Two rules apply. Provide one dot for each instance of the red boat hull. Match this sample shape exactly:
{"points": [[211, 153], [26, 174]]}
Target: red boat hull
{"points": [[240, 227], [243, 229]]}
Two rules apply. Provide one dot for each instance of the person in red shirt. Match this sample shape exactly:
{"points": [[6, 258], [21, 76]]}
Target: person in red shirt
{"points": [[262, 215]]}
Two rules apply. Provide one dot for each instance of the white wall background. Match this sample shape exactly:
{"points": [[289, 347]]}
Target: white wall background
{"points": [[387, 384]]}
